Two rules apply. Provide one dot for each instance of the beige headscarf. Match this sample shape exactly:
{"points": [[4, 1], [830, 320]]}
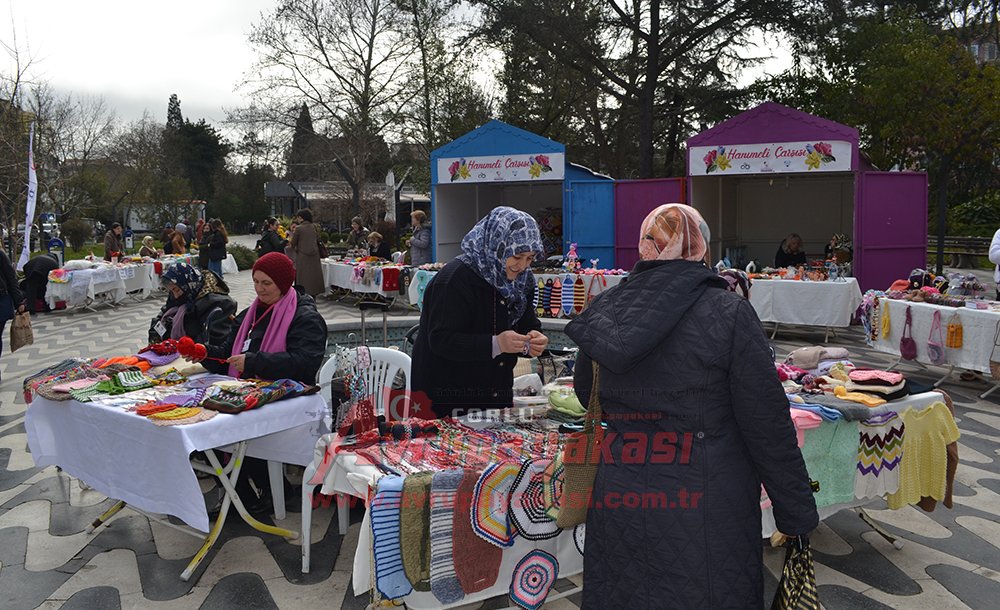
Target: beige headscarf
{"points": [[674, 231]]}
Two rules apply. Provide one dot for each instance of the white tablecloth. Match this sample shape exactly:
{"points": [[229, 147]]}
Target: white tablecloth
{"points": [[341, 275], [806, 303], [127, 457], [593, 285], [979, 326]]}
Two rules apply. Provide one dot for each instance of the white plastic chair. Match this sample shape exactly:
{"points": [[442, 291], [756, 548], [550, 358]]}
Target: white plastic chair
{"points": [[379, 377], [397, 257]]}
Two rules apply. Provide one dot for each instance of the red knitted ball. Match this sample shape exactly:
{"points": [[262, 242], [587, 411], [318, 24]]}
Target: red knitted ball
{"points": [[279, 268]]}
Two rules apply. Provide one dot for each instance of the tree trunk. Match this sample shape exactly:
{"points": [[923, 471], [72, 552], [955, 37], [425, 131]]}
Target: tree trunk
{"points": [[647, 95], [942, 213]]}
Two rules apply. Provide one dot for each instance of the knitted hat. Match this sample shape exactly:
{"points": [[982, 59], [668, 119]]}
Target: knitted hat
{"points": [[533, 578], [444, 583], [477, 562], [414, 525], [384, 510], [279, 268]]}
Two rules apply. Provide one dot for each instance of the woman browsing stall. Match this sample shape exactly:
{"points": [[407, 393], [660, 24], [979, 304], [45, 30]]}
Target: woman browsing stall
{"points": [[477, 317], [684, 365]]}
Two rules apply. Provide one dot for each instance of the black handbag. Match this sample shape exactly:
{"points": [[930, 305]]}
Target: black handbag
{"points": [[797, 587]]}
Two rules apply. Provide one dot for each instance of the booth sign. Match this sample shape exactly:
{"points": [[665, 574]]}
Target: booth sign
{"points": [[781, 157], [502, 168]]}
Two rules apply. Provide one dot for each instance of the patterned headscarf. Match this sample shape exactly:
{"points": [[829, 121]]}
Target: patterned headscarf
{"points": [[674, 231], [737, 281], [186, 277], [503, 233]]}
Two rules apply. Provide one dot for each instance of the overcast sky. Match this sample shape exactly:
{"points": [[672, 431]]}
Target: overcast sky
{"points": [[136, 53]]}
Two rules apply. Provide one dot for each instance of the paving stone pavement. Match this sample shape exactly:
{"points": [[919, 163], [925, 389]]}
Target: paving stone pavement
{"points": [[950, 558]]}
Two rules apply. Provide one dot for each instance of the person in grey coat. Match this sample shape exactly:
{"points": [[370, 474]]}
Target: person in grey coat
{"points": [[420, 243], [696, 421]]}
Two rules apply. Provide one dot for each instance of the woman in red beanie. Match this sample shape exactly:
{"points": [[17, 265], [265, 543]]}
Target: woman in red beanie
{"points": [[280, 336]]}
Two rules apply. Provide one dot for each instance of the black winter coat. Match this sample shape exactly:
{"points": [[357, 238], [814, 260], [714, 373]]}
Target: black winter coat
{"points": [[305, 347], [8, 281], [453, 359], [687, 377], [270, 241], [209, 321]]}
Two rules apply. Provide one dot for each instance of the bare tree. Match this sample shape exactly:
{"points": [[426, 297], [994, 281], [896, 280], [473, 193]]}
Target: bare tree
{"points": [[14, 125], [346, 59]]}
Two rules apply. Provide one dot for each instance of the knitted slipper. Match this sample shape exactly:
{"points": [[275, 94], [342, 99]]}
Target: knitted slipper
{"points": [[547, 297], [567, 296], [414, 523], [384, 510], [556, 302], [579, 295], [539, 289], [477, 562], [444, 583]]}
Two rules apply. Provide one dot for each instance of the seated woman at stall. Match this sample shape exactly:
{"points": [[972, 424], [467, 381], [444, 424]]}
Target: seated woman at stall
{"points": [[148, 249], [839, 249], [378, 247], [478, 317], [280, 336], [790, 252], [680, 357], [198, 306]]}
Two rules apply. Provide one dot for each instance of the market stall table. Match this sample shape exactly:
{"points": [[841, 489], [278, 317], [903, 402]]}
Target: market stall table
{"points": [[829, 304], [342, 275], [979, 327], [127, 457], [111, 284]]}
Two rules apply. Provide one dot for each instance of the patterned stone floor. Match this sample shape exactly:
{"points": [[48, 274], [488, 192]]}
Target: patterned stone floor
{"points": [[950, 558]]}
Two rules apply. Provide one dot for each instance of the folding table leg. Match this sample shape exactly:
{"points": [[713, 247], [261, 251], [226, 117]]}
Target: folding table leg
{"points": [[775, 331], [951, 369], [990, 391], [111, 512], [277, 479], [343, 513], [227, 478]]}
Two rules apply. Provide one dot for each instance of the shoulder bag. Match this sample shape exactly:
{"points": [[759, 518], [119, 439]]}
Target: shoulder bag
{"points": [[580, 457], [935, 344], [907, 346], [954, 335], [20, 331]]}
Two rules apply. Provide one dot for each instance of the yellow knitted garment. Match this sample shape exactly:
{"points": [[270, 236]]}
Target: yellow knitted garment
{"points": [[866, 399], [924, 468]]}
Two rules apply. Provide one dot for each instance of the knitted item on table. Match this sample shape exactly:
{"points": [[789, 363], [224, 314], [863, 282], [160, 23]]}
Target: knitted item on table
{"points": [[527, 503], [133, 380], [384, 512], [924, 465], [491, 504], [580, 536], [878, 388], [579, 295], [803, 420], [200, 416], [552, 486], [547, 297], [880, 377], [78, 384], [865, 399], [171, 377], [851, 411], [555, 305], [539, 289], [390, 279], [880, 450], [567, 296], [155, 359], [414, 530], [444, 582], [831, 456], [533, 578], [827, 413], [477, 562], [85, 394]]}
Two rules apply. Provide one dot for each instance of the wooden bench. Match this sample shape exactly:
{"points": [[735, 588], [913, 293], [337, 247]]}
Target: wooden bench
{"points": [[963, 251]]}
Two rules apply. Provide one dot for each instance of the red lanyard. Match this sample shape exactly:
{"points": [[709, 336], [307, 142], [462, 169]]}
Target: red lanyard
{"points": [[257, 320]]}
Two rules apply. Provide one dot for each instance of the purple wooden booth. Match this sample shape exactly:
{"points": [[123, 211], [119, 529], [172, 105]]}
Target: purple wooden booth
{"points": [[774, 170]]}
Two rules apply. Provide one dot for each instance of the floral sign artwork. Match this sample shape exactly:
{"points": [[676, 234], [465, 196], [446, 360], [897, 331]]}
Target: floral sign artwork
{"points": [[716, 159], [459, 170], [539, 165], [820, 152]]}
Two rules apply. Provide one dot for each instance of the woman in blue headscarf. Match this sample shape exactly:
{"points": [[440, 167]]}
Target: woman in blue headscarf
{"points": [[477, 318], [198, 306]]}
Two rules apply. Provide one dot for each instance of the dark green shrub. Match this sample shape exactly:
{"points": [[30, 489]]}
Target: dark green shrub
{"points": [[245, 257], [77, 232]]}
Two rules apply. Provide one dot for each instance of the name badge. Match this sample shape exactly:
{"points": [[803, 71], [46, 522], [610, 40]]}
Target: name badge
{"points": [[160, 329], [246, 346]]}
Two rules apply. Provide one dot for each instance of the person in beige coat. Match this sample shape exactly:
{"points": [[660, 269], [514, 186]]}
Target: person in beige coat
{"points": [[305, 244]]}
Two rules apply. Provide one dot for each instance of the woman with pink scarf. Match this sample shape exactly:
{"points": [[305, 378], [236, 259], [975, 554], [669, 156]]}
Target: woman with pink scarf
{"points": [[280, 336]]}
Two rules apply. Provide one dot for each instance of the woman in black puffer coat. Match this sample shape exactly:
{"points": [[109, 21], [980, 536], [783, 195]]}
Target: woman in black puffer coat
{"points": [[11, 298], [697, 420]]}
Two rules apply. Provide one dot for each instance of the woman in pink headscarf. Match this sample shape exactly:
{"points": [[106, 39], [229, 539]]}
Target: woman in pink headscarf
{"points": [[696, 421]]}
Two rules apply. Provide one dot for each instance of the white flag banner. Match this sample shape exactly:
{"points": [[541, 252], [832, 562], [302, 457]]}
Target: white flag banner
{"points": [[29, 212]]}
